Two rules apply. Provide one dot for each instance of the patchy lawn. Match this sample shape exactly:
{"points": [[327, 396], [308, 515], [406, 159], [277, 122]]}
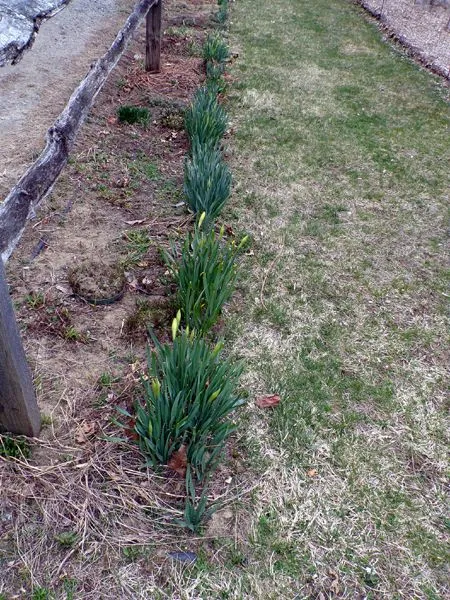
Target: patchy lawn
{"points": [[340, 155]]}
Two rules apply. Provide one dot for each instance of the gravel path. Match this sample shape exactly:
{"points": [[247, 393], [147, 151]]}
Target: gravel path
{"points": [[34, 91], [421, 25]]}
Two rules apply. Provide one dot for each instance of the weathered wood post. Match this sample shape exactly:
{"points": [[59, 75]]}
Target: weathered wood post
{"points": [[19, 411], [153, 39]]}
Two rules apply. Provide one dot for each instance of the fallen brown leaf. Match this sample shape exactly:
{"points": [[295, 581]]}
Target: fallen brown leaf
{"points": [[178, 461], [268, 401], [131, 431], [85, 430], [312, 473]]}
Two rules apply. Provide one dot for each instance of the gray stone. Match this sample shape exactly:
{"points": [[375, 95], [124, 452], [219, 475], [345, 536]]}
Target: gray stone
{"points": [[19, 22]]}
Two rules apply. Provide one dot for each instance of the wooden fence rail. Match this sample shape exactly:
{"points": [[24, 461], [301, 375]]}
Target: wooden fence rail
{"points": [[37, 182], [18, 408]]}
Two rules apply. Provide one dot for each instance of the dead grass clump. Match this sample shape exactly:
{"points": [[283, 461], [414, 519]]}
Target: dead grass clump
{"points": [[97, 282], [156, 313], [80, 506]]}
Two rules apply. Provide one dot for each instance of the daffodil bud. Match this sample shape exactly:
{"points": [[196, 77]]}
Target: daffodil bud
{"points": [[243, 241], [217, 348], [202, 218], [174, 328], [214, 395], [156, 387]]}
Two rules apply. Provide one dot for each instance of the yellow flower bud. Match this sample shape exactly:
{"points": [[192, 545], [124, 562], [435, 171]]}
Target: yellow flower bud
{"points": [[243, 241], [217, 348], [202, 218], [214, 395], [156, 387], [174, 328]]}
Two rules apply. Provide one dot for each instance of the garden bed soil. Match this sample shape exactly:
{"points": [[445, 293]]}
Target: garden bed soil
{"points": [[118, 201]]}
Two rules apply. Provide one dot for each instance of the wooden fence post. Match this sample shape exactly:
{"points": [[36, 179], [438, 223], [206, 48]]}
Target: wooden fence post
{"points": [[153, 39], [19, 411]]}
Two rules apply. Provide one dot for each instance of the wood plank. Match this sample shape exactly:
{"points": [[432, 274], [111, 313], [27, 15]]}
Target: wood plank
{"points": [[37, 182], [153, 39], [19, 412]]}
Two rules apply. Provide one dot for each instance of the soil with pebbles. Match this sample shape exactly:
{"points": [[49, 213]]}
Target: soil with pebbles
{"points": [[421, 25]]}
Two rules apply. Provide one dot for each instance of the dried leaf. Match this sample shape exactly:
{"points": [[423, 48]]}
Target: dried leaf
{"points": [[85, 430], [131, 431], [334, 586], [178, 461], [268, 401], [312, 473]]}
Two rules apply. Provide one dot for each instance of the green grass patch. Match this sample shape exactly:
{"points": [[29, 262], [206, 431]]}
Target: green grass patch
{"points": [[133, 115], [340, 176]]}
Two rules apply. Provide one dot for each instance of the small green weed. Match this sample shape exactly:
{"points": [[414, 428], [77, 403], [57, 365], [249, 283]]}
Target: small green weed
{"points": [[137, 245], [67, 538], [133, 114], [72, 334], [35, 299], [46, 420], [41, 593], [14, 447], [70, 587], [106, 380], [133, 553], [205, 120], [205, 273], [142, 166], [207, 182]]}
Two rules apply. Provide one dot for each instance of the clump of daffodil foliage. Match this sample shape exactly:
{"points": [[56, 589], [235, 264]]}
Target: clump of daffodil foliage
{"points": [[190, 391], [204, 270]]}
